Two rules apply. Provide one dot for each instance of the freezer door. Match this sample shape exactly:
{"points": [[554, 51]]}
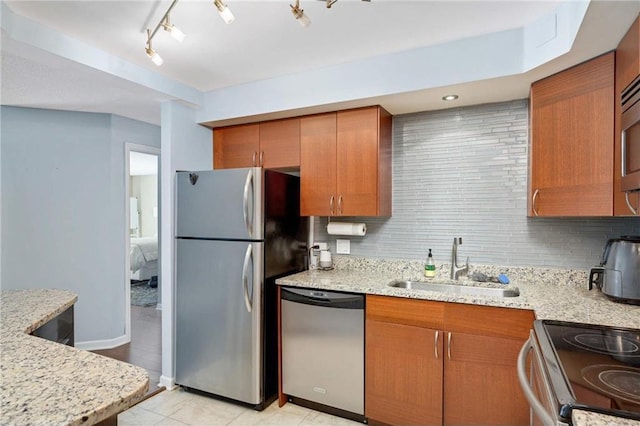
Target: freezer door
{"points": [[223, 204], [219, 302]]}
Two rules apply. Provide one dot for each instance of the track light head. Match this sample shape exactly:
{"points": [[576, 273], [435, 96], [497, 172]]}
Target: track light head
{"points": [[172, 29], [299, 14], [224, 11], [152, 54]]}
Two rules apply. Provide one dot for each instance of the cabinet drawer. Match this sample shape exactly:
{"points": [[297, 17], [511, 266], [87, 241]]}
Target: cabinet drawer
{"points": [[488, 320], [419, 313]]}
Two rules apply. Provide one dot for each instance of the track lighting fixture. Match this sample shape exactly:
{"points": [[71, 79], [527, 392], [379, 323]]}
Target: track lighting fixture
{"points": [[331, 2], [299, 14], [226, 15], [172, 29], [152, 54], [224, 11]]}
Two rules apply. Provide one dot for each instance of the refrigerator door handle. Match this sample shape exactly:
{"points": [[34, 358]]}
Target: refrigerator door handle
{"points": [[245, 204], [245, 266]]}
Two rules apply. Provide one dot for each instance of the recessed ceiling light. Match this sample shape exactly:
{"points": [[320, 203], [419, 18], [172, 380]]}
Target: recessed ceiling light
{"points": [[450, 98]]}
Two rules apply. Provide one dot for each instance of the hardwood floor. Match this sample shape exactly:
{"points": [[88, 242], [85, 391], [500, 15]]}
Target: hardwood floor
{"points": [[145, 348]]}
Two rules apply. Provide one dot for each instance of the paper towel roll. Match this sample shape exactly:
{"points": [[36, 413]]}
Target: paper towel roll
{"points": [[346, 228]]}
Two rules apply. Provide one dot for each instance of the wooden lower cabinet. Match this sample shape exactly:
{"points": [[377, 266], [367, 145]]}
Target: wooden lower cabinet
{"points": [[437, 363], [403, 379], [481, 384]]}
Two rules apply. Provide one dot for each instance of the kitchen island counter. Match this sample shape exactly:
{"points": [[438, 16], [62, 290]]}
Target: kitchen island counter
{"points": [[47, 383]]}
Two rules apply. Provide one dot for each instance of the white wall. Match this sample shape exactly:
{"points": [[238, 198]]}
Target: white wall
{"points": [[185, 146], [145, 189], [482, 57], [63, 209]]}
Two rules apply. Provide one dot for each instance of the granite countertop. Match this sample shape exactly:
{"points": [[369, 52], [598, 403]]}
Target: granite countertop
{"points": [[585, 418], [47, 383], [554, 294]]}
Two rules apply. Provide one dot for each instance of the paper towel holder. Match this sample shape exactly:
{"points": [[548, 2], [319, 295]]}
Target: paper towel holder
{"points": [[346, 228]]}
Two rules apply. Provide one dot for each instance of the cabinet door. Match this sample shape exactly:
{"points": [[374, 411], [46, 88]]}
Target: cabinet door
{"points": [[235, 146], [403, 374], [627, 67], [280, 144], [318, 165], [357, 162], [481, 384], [624, 203], [628, 56], [571, 161]]}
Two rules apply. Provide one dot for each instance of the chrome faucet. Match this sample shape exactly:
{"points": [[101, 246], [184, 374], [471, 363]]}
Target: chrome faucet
{"points": [[455, 269]]}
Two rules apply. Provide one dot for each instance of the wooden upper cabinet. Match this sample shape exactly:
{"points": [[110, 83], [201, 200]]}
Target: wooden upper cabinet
{"points": [[345, 167], [364, 162], [280, 144], [627, 69], [235, 146], [628, 57], [318, 165], [270, 144], [572, 141]]}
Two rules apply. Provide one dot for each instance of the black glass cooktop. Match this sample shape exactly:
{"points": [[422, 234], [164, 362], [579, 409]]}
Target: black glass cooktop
{"points": [[599, 365]]}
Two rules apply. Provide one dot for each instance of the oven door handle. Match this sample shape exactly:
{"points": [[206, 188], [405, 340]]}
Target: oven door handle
{"points": [[536, 405]]}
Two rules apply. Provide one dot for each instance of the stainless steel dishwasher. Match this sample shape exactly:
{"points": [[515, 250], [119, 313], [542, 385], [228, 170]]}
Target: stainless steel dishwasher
{"points": [[323, 350]]}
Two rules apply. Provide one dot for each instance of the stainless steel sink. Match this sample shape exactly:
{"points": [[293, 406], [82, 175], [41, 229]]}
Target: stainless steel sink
{"points": [[456, 289]]}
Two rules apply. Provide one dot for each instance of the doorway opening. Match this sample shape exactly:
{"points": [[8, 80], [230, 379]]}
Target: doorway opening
{"points": [[143, 322]]}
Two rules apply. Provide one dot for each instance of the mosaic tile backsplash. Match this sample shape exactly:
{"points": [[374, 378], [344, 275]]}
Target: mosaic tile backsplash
{"points": [[462, 172]]}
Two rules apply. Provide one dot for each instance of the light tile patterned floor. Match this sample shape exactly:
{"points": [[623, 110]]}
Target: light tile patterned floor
{"points": [[179, 408]]}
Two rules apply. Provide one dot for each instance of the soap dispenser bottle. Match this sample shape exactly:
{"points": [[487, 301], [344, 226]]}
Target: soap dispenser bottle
{"points": [[430, 267]]}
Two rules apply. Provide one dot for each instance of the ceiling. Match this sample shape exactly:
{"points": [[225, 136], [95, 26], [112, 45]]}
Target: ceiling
{"points": [[265, 41]]}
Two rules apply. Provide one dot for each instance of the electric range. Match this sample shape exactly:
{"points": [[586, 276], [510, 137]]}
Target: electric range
{"points": [[587, 367]]}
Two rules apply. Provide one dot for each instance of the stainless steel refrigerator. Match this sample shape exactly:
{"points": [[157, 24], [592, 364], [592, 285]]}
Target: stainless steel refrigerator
{"points": [[237, 231]]}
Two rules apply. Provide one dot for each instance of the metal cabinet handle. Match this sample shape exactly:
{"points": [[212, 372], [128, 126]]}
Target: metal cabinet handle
{"points": [[248, 221], [449, 345], [533, 202], [436, 343], [261, 158], [626, 198], [253, 160], [331, 206], [623, 152], [340, 205], [536, 405], [245, 266]]}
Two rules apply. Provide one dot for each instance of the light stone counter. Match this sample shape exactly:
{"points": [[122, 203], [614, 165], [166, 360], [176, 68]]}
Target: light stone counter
{"points": [[585, 418], [554, 294], [47, 383]]}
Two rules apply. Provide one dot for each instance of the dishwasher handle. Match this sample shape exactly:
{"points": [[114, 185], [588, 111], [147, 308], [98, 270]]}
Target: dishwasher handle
{"points": [[329, 299]]}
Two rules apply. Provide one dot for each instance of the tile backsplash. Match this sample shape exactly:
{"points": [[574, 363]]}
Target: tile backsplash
{"points": [[462, 172]]}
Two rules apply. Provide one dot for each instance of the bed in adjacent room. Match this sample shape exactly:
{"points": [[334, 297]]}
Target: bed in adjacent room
{"points": [[144, 258]]}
